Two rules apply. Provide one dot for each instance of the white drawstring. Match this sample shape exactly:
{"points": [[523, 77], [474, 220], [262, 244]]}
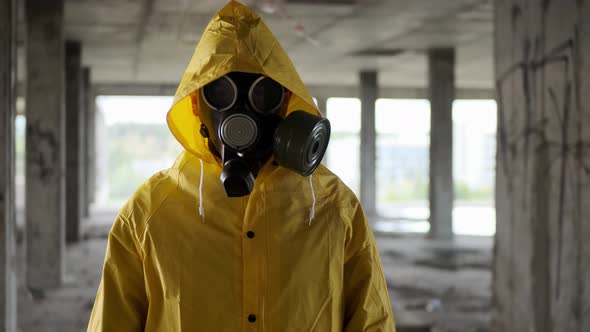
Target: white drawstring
{"points": [[201, 209], [312, 210]]}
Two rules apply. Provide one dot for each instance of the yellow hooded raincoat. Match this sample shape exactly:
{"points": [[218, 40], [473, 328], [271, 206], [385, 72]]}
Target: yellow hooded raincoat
{"points": [[295, 255]]}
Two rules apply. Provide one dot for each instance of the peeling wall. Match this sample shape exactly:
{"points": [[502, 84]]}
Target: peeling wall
{"points": [[542, 246]]}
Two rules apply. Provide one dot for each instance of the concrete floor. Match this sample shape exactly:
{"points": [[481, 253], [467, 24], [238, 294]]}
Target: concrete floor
{"points": [[442, 285], [445, 285]]}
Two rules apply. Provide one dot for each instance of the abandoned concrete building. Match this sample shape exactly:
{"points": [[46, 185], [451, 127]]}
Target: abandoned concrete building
{"points": [[459, 124]]}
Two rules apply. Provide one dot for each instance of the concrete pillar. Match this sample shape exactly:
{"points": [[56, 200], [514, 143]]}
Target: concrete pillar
{"points": [[45, 147], [74, 139], [441, 74], [87, 133], [92, 147], [542, 247], [101, 155], [368, 92], [322, 103], [8, 283]]}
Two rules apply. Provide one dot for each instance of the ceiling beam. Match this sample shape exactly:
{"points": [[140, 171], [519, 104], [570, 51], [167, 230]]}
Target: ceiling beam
{"points": [[326, 91], [395, 92], [133, 89]]}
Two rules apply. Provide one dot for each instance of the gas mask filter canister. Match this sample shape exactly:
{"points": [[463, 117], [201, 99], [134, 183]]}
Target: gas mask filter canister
{"points": [[242, 115]]}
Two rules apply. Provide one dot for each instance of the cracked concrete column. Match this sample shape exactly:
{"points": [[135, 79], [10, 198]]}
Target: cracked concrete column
{"points": [[45, 147], [74, 141], [542, 248], [369, 89], [8, 281], [441, 75]]}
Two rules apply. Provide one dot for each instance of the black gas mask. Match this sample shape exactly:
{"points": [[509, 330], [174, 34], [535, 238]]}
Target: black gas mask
{"points": [[243, 116]]}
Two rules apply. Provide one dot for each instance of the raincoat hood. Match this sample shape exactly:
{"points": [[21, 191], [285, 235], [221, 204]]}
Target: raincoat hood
{"points": [[236, 39]]}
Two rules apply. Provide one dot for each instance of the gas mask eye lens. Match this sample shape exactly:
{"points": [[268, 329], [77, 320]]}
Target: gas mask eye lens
{"points": [[266, 95], [220, 94]]}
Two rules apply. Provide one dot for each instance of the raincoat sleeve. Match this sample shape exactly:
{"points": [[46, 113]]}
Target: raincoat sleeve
{"points": [[366, 298], [121, 302]]}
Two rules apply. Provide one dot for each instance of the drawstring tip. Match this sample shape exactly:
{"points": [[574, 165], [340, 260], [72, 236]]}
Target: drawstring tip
{"points": [[312, 210], [202, 214], [201, 209]]}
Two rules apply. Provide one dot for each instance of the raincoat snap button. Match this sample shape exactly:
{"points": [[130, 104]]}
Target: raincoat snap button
{"points": [[250, 234], [252, 318]]}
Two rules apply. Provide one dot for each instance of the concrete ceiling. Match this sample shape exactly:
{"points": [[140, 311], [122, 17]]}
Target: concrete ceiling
{"points": [[151, 41]]}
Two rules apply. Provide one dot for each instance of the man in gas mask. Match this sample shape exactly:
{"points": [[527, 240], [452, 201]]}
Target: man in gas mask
{"points": [[247, 231]]}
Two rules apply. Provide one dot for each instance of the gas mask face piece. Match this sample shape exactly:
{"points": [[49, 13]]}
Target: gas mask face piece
{"points": [[242, 115]]}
